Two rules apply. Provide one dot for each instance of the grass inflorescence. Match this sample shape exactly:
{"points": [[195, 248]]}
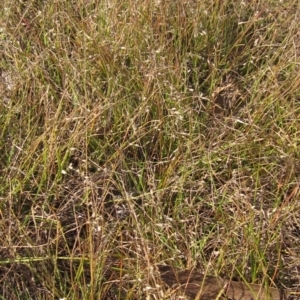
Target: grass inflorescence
{"points": [[139, 133]]}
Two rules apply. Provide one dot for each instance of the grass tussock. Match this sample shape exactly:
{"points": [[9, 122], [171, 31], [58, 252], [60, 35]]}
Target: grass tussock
{"points": [[138, 133]]}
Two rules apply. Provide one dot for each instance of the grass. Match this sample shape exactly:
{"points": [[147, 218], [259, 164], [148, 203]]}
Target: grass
{"points": [[138, 133]]}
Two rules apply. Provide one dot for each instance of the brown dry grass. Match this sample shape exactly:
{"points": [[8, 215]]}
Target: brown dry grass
{"points": [[140, 132]]}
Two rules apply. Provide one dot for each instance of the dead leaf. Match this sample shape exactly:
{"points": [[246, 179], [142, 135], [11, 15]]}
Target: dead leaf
{"points": [[199, 286]]}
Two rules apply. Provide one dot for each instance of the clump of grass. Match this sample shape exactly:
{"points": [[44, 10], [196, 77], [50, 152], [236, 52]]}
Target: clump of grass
{"points": [[138, 133]]}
